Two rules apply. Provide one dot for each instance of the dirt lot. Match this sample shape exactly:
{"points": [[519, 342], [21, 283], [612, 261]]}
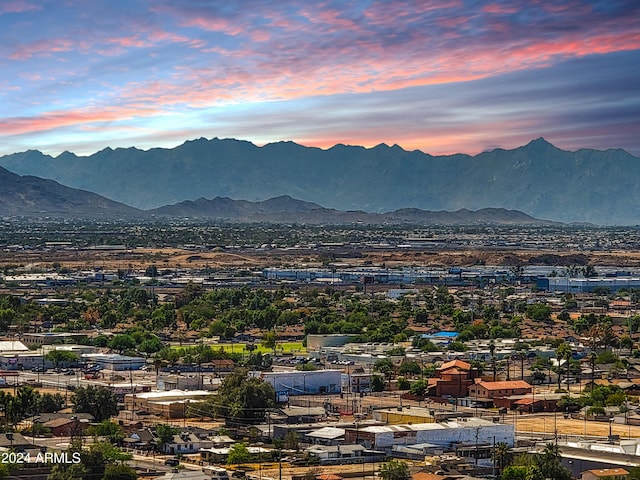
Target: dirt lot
{"points": [[548, 423], [170, 258]]}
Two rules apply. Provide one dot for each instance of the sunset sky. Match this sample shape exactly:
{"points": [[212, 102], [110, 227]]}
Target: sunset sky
{"points": [[441, 76]]}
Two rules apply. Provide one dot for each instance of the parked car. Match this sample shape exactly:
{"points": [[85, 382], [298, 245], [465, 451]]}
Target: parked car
{"points": [[172, 462]]}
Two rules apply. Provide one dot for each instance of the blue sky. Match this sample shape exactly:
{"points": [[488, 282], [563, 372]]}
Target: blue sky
{"points": [[443, 77]]}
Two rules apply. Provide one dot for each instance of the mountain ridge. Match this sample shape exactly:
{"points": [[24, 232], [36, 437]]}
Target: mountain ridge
{"points": [[599, 187], [285, 209], [30, 196]]}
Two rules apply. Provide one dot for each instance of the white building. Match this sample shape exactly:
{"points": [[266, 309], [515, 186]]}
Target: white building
{"points": [[114, 361], [303, 383], [446, 434]]}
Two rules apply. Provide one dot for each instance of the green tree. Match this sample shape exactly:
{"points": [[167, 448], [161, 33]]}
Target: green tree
{"points": [[502, 456], [108, 429], [291, 440], [522, 472], [550, 465], [539, 312], [377, 383], [50, 402], [239, 453], [563, 352], [151, 345], [98, 401], [164, 434], [122, 343], [384, 366], [58, 357], [419, 387], [395, 470], [270, 341], [119, 472], [240, 397], [410, 368]]}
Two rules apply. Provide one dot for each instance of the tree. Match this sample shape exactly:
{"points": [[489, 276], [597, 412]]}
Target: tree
{"points": [[270, 341], [108, 429], [410, 367], [238, 453], [98, 401], [119, 472], [502, 455], [164, 434], [539, 312], [58, 357], [384, 366], [522, 472], [395, 470], [291, 440], [550, 465], [492, 351], [240, 397], [377, 383], [151, 345], [122, 342], [563, 352], [626, 342]]}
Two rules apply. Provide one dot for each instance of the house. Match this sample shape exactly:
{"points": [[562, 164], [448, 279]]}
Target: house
{"points": [[296, 415], [453, 379], [336, 454], [66, 427], [142, 438], [326, 436], [223, 365], [359, 382], [184, 443], [608, 473], [219, 455], [14, 441], [491, 390]]}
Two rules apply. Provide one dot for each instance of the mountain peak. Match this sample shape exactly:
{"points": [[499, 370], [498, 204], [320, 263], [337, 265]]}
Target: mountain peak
{"points": [[539, 142]]}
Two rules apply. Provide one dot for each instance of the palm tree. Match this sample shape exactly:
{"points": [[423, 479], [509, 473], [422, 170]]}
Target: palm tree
{"points": [[563, 352], [502, 456], [492, 351]]}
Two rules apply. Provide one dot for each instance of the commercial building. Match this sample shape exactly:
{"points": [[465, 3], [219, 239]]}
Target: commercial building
{"points": [[51, 338], [585, 285], [303, 383], [114, 361], [446, 434], [171, 404]]}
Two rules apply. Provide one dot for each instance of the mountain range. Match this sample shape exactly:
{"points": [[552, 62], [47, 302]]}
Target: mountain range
{"points": [[285, 209], [601, 187], [28, 196], [33, 197]]}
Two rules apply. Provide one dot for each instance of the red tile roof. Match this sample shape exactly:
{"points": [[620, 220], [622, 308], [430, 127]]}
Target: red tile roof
{"points": [[455, 363], [504, 385]]}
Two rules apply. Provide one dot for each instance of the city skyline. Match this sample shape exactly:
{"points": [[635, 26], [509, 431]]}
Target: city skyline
{"points": [[441, 77]]}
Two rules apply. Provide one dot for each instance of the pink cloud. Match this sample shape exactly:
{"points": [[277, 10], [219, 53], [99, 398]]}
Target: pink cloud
{"points": [[497, 8], [42, 48], [18, 6], [48, 121]]}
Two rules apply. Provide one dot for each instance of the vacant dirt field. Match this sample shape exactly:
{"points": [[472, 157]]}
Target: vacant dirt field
{"points": [[170, 258]]}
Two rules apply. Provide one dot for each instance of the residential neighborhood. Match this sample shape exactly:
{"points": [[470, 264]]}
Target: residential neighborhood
{"points": [[459, 372]]}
